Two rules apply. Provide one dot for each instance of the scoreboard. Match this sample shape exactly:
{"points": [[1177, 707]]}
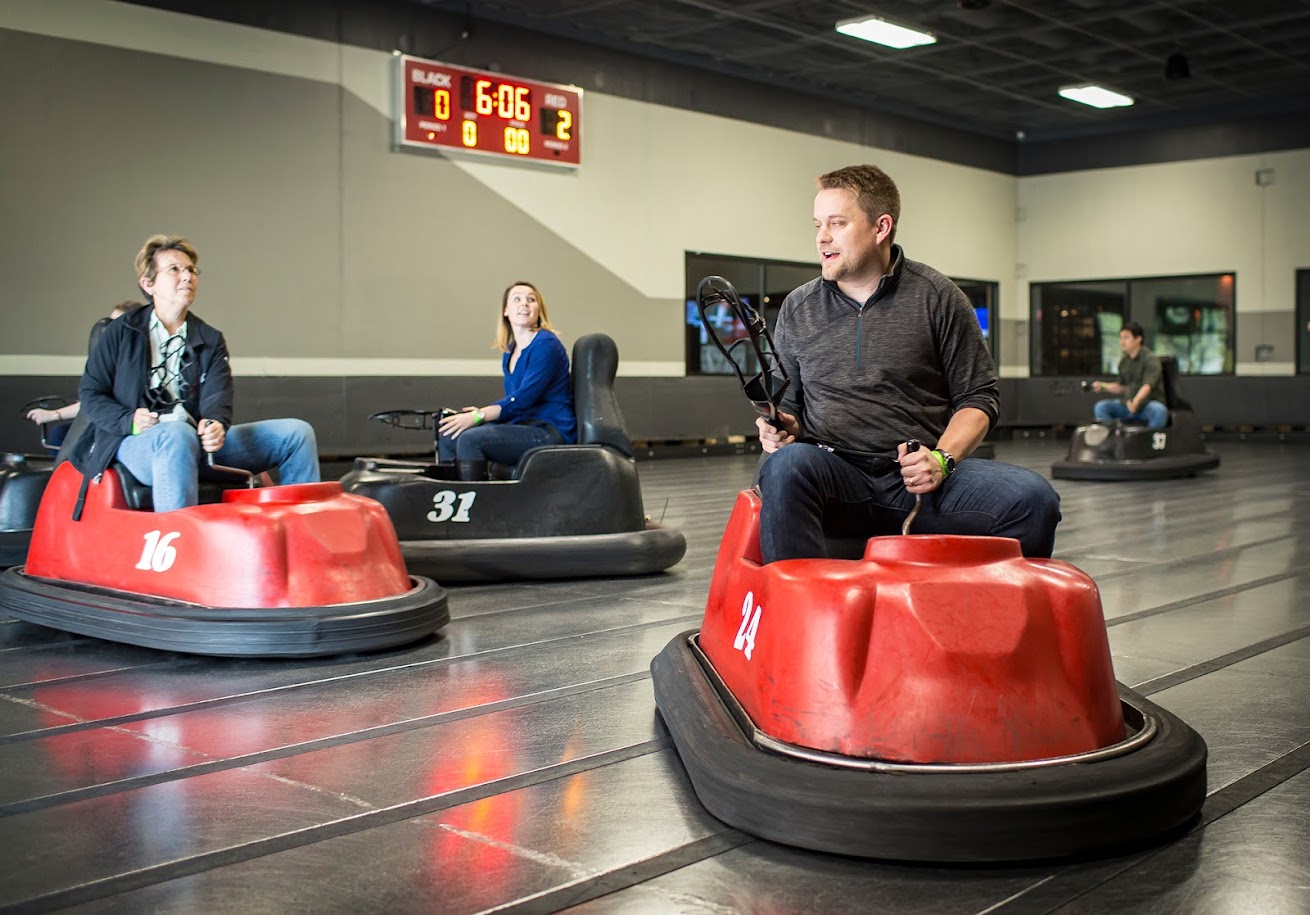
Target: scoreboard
{"points": [[446, 106]]}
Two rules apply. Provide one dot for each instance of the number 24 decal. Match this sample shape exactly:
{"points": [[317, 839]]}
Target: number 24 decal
{"points": [[444, 509], [750, 624]]}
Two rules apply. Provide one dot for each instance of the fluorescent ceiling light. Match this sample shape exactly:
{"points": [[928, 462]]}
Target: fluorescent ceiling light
{"points": [[1096, 96], [883, 32]]}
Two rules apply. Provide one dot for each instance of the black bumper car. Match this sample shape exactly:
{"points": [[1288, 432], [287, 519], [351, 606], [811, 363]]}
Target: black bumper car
{"points": [[23, 478], [1121, 451], [564, 511], [941, 699]]}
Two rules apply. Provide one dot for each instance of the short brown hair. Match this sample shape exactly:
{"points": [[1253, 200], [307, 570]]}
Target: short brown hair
{"points": [[145, 258], [505, 333], [874, 190]]}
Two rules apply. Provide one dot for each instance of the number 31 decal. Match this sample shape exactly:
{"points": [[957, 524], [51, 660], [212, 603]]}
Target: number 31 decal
{"points": [[750, 624], [444, 508], [1158, 440]]}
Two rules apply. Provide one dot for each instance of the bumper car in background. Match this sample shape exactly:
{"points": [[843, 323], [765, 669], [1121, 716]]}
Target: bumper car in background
{"points": [[23, 478], [1121, 451], [941, 699], [300, 570], [564, 511]]}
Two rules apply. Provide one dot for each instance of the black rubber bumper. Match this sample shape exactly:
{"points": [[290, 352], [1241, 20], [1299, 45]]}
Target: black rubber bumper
{"points": [[499, 559], [228, 632], [1059, 811], [1161, 468]]}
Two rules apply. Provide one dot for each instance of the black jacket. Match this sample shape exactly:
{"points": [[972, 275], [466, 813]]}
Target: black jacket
{"points": [[115, 382]]}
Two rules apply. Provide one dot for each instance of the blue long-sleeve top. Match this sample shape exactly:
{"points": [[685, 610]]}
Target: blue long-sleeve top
{"points": [[539, 389]]}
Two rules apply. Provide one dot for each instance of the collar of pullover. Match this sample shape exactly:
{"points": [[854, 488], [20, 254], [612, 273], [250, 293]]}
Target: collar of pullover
{"points": [[885, 285]]}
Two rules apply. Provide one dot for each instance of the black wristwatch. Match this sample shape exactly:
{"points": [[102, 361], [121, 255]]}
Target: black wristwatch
{"points": [[947, 461]]}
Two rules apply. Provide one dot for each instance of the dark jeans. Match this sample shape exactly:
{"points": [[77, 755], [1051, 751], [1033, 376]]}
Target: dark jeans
{"points": [[503, 443], [810, 493]]}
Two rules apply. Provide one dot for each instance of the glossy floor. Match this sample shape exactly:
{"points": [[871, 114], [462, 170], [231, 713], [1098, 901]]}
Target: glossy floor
{"points": [[516, 763]]}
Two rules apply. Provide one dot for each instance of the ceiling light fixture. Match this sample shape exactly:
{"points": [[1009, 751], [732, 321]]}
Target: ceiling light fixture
{"points": [[880, 31], [1096, 96]]}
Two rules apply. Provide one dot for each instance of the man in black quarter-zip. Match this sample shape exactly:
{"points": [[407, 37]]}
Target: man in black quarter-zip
{"points": [[882, 350]]}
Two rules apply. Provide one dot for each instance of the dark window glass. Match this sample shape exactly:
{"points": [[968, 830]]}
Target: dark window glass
{"points": [[1075, 326], [1075, 329], [761, 284], [1303, 322], [982, 294], [1190, 318], [764, 285]]}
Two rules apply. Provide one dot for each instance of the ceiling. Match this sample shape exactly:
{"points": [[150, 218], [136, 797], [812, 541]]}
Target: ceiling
{"points": [[994, 70]]}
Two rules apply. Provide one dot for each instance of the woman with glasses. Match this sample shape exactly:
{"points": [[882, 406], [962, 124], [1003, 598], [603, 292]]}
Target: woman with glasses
{"points": [[537, 408], [158, 391]]}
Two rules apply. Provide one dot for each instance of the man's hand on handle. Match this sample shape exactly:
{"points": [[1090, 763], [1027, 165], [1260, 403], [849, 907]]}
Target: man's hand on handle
{"points": [[771, 439], [920, 469]]}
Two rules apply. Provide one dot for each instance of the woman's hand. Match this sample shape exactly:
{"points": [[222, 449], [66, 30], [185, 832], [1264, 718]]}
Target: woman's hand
{"points": [[143, 419], [461, 422], [212, 434]]}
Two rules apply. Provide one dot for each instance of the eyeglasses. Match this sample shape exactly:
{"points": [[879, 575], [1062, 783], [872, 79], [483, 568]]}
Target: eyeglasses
{"points": [[176, 270]]}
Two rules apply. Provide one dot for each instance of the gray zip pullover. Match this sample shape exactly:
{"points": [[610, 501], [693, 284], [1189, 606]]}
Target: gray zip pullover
{"points": [[866, 377]]}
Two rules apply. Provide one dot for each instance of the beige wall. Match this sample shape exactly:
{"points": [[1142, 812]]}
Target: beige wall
{"points": [[1204, 216], [326, 252]]}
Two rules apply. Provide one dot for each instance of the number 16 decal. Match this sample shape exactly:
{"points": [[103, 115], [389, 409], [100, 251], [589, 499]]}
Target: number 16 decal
{"points": [[158, 554], [750, 624]]}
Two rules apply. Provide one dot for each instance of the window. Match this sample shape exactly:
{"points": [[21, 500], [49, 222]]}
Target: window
{"points": [[761, 284], [983, 293], [1076, 325], [1303, 322], [764, 284]]}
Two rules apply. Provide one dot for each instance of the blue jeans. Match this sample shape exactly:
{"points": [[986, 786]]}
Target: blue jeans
{"points": [[1154, 414], [167, 456], [503, 443], [810, 493]]}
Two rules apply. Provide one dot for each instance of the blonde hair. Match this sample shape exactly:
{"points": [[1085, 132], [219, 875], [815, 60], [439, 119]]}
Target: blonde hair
{"points": [[874, 190], [504, 332], [123, 308], [145, 258]]}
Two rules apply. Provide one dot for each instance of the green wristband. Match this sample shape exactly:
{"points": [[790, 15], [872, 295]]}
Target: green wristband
{"points": [[941, 459]]}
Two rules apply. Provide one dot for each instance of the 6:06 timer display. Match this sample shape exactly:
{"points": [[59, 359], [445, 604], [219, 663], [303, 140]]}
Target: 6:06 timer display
{"points": [[446, 106]]}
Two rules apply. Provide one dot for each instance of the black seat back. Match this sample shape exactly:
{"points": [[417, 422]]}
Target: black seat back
{"points": [[600, 421], [1173, 390], [81, 421]]}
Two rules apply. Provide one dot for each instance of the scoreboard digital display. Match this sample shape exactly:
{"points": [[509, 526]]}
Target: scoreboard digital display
{"points": [[446, 106]]}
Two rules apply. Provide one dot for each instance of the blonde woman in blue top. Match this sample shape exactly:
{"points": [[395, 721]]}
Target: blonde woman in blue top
{"points": [[537, 408]]}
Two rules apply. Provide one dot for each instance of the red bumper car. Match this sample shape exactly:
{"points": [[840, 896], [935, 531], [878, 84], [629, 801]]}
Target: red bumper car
{"points": [[277, 571], [941, 699]]}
